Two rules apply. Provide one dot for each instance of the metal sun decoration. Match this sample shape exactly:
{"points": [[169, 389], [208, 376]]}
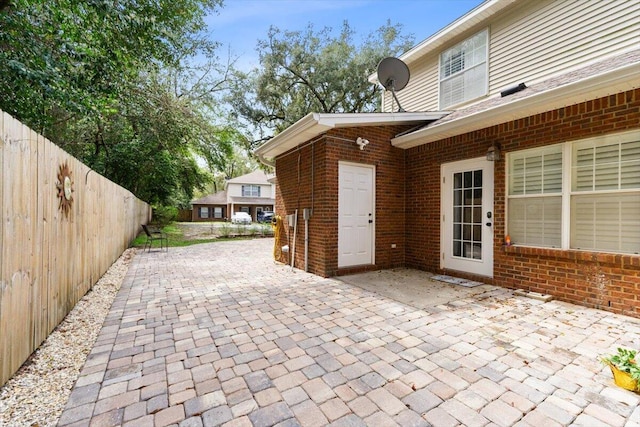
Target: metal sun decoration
{"points": [[65, 189]]}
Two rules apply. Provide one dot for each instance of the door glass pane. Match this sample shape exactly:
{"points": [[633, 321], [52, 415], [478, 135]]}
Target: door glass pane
{"points": [[467, 214]]}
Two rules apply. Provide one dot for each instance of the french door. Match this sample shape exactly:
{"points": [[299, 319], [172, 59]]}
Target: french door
{"points": [[467, 216]]}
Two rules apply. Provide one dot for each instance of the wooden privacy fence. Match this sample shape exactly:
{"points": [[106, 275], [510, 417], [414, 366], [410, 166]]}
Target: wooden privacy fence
{"points": [[61, 226]]}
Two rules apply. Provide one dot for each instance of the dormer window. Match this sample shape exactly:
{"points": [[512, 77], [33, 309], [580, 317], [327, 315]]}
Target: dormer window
{"points": [[464, 71]]}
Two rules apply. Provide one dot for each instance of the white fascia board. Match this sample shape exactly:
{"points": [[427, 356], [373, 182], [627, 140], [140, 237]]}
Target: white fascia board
{"points": [[315, 124], [482, 13], [608, 83]]}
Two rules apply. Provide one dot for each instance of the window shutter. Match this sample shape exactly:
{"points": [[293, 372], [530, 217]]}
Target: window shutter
{"points": [[536, 221], [606, 167], [607, 217], [537, 172], [630, 165], [609, 222]]}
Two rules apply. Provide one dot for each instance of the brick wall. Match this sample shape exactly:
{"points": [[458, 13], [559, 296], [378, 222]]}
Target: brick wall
{"points": [[604, 280], [296, 180], [195, 213], [408, 203]]}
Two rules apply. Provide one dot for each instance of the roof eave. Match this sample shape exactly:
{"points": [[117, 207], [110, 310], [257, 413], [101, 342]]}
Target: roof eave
{"points": [[608, 83], [315, 124]]}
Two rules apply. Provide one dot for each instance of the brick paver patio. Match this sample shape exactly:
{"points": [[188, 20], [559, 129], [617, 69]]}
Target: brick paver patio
{"points": [[218, 334]]}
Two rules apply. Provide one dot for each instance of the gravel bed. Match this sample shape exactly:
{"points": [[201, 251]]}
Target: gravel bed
{"points": [[37, 394]]}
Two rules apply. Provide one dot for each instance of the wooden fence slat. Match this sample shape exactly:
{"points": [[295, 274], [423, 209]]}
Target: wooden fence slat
{"points": [[49, 260], [3, 284]]}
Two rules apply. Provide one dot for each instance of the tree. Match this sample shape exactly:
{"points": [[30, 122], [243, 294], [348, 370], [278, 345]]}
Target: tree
{"points": [[75, 57], [149, 143], [308, 71], [129, 87]]}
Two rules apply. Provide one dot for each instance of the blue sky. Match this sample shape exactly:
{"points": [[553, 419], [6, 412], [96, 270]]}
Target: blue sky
{"points": [[240, 23]]}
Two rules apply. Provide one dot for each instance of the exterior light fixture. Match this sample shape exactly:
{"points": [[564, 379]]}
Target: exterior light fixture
{"points": [[493, 153], [362, 142]]}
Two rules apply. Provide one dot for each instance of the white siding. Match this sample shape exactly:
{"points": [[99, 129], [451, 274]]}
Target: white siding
{"points": [[265, 191], [421, 94], [536, 40], [533, 44], [235, 190]]}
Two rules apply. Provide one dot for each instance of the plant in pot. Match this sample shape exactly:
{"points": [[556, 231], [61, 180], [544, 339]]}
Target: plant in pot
{"points": [[626, 372]]}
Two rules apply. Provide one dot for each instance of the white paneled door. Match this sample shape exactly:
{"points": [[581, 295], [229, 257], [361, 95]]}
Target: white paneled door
{"points": [[356, 204], [467, 216]]}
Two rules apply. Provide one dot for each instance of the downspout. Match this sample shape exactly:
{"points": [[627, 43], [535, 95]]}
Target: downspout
{"points": [[270, 163], [295, 233], [306, 214]]}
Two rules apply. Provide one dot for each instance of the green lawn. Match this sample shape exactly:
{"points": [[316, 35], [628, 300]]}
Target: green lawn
{"points": [[177, 238], [174, 235]]}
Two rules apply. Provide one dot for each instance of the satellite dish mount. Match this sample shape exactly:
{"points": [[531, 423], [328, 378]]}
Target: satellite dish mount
{"points": [[393, 74]]}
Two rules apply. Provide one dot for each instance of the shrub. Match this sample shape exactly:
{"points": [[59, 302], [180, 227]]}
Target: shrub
{"points": [[225, 230], [164, 215]]}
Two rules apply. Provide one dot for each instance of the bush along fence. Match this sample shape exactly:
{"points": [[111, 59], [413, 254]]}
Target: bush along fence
{"points": [[61, 226]]}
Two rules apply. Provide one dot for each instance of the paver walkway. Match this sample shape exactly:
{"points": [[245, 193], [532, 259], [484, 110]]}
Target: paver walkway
{"points": [[218, 334]]}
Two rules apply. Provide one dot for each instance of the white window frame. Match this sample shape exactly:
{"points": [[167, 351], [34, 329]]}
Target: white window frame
{"points": [[567, 179], [250, 190], [543, 192], [204, 209], [217, 212], [457, 74]]}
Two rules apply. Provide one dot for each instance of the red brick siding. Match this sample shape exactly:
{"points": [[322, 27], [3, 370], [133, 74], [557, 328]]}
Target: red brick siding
{"points": [[408, 202], [567, 275], [293, 192], [195, 213]]}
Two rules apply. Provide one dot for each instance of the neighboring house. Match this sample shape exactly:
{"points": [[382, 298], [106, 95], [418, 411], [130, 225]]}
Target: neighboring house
{"points": [[251, 193], [524, 121], [210, 208]]}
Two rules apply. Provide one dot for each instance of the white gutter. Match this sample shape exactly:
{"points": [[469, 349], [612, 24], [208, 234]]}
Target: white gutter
{"points": [[607, 83], [315, 124], [264, 161]]}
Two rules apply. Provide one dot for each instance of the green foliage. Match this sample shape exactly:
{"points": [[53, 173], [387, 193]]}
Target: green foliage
{"points": [[225, 230], [175, 238], [128, 87], [624, 360], [241, 229], [76, 57], [309, 71], [164, 215]]}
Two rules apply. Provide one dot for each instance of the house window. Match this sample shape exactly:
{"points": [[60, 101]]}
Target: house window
{"points": [[535, 196], [596, 180], [250, 191], [204, 212], [217, 212], [605, 195], [463, 71], [245, 209]]}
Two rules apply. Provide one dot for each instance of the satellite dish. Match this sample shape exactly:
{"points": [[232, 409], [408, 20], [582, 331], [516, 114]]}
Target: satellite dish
{"points": [[393, 74]]}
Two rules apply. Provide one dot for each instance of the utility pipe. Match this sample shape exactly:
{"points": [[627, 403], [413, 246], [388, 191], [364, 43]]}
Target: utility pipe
{"points": [[306, 214], [295, 232]]}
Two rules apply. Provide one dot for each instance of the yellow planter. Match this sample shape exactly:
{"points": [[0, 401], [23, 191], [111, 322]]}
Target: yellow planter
{"points": [[623, 379]]}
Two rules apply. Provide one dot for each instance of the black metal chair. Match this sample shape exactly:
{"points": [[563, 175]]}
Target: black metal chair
{"points": [[153, 235]]}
